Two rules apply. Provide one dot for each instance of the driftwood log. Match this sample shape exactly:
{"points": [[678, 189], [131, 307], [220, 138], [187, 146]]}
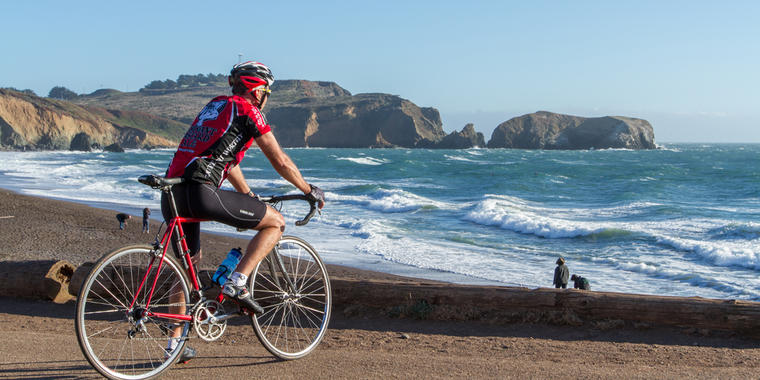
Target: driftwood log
{"points": [[36, 279], [557, 306]]}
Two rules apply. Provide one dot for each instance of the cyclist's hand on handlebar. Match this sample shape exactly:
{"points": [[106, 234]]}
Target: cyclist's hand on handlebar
{"points": [[317, 195]]}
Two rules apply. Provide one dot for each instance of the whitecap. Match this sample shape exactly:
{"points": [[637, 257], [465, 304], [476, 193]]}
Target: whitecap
{"points": [[722, 253], [364, 160], [493, 212], [390, 200]]}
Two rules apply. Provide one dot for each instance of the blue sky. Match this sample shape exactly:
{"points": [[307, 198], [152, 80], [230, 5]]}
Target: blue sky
{"points": [[691, 68]]}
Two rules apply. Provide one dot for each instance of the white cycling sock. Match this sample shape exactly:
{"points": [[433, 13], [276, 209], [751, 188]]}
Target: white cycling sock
{"points": [[238, 279], [172, 344]]}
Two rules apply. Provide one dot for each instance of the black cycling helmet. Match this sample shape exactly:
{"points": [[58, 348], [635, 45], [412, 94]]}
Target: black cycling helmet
{"points": [[253, 75]]}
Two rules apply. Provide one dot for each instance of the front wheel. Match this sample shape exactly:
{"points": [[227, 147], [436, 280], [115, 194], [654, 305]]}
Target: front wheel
{"points": [[296, 298], [115, 329]]}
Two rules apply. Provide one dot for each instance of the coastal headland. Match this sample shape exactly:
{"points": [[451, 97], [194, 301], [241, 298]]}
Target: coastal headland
{"points": [[381, 325], [302, 114]]}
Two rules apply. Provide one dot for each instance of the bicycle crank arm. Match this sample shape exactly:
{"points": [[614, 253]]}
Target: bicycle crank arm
{"points": [[223, 317]]}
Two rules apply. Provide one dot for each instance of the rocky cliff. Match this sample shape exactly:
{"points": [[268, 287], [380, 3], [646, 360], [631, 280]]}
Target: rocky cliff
{"points": [[359, 121], [302, 114], [31, 122], [546, 130]]}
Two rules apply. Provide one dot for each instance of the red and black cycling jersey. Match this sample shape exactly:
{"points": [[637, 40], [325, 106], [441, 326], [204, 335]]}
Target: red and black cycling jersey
{"points": [[217, 140]]}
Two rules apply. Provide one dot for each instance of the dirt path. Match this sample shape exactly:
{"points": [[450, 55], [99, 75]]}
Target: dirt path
{"points": [[38, 341]]}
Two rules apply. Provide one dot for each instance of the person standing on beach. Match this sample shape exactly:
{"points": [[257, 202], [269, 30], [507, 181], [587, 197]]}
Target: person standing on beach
{"points": [[122, 218], [146, 220], [211, 152], [561, 274]]}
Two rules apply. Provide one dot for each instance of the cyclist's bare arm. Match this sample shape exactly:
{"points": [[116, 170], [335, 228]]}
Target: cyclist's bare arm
{"points": [[281, 162], [237, 180]]}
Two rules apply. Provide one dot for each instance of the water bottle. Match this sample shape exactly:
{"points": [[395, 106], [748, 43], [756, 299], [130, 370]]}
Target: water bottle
{"points": [[228, 266]]}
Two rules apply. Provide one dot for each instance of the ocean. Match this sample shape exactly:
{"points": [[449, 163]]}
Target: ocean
{"points": [[682, 220]]}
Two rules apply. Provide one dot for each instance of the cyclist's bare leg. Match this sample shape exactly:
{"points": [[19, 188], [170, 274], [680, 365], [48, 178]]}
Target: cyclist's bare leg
{"points": [[177, 297], [270, 230]]}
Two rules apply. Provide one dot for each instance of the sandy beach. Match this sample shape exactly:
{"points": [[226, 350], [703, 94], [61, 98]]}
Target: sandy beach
{"points": [[40, 339]]}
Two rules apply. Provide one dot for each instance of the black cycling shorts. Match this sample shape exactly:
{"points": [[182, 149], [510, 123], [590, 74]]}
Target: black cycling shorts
{"points": [[204, 201]]}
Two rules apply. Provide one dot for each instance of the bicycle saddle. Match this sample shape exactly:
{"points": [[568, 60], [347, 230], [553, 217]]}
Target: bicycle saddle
{"points": [[158, 182]]}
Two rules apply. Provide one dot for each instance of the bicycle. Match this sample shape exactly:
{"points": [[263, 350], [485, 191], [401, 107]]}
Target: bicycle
{"points": [[136, 296]]}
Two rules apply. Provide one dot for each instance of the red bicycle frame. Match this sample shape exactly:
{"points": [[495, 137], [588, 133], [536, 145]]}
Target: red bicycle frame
{"points": [[174, 226]]}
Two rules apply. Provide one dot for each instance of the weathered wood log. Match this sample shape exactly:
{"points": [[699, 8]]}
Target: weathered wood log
{"points": [[46, 279], [80, 274], [509, 304]]}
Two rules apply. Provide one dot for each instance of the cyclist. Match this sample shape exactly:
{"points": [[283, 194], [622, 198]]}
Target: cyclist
{"points": [[211, 152]]}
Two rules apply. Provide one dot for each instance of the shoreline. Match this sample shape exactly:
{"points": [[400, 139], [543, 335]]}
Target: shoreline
{"points": [[46, 229]]}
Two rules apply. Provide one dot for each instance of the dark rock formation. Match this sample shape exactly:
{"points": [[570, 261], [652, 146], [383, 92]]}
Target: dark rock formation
{"points": [[115, 147], [10, 138], [52, 142], [467, 138], [546, 130], [81, 141]]}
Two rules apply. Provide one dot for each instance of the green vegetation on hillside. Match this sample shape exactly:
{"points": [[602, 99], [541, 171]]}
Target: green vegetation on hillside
{"points": [[185, 81], [63, 93]]}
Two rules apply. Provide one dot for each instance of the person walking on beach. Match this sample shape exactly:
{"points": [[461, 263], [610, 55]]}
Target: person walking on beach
{"points": [[146, 220], [580, 282], [122, 218], [211, 152], [561, 274]]}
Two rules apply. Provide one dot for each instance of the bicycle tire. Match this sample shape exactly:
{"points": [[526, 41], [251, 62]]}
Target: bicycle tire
{"points": [[113, 344], [293, 323]]}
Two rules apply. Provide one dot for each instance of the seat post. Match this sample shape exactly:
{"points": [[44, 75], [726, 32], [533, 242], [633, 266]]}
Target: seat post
{"points": [[173, 205], [175, 214]]}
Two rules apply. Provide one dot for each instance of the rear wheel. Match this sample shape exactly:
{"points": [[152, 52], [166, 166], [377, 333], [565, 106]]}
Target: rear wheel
{"points": [[296, 312], [116, 335]]}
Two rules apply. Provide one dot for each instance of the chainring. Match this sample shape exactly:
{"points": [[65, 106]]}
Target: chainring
{"points": [[204, 327]]}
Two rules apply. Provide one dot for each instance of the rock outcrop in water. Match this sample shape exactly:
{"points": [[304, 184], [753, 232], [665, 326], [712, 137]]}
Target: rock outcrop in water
{"points": [[467, 138], [547, 130], [28, 122]]}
